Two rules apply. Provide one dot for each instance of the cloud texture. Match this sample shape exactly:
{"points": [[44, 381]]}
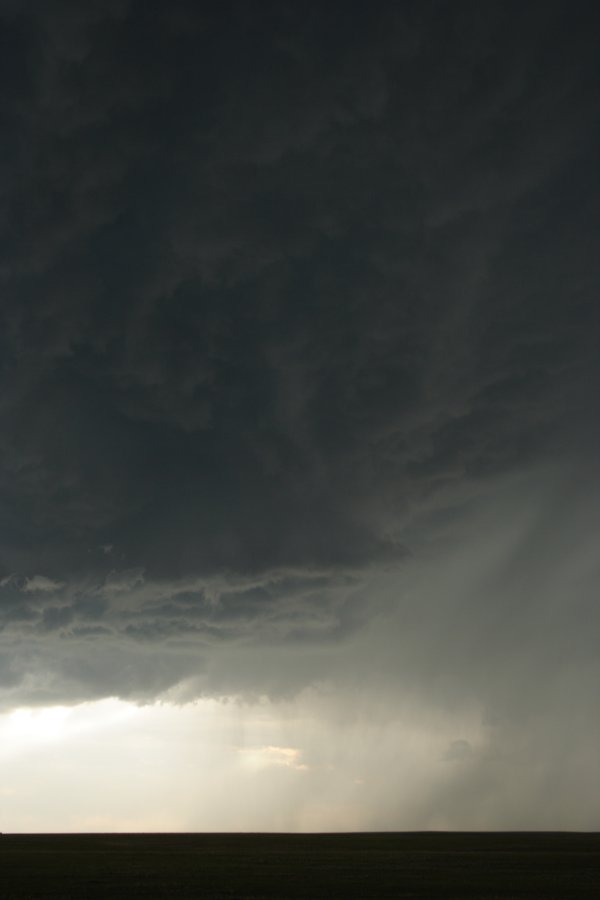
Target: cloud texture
{"points": [[299, 367]]}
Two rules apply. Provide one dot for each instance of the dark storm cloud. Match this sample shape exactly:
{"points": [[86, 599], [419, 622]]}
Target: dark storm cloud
{"points": [[282, 607], [279, 287]]}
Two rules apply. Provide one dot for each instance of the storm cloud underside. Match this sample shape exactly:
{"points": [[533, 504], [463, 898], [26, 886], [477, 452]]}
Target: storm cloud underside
{"points": [[299, 368]]}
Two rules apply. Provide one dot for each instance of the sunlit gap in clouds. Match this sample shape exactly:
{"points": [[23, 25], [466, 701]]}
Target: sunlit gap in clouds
{"points": [[112, 766], [27, 727]]}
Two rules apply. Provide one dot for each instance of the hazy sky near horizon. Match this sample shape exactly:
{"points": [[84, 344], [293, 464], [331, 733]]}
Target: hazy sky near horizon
{"points": [[299, 445]]}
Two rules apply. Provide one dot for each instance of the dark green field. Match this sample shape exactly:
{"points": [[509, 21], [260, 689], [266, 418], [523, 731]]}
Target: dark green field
{"points": [[252, 866]]}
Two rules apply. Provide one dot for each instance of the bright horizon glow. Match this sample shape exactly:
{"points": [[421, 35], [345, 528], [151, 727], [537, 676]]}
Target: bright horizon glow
{"points": [[25, 727], [112, 766], [36, 724]]}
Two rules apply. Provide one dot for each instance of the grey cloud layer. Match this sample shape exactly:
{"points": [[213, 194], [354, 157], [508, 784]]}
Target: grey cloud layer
{"points": [[282, 290]]}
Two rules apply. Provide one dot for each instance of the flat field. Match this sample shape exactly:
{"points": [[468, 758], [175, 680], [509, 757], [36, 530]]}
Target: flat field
{"points": [[485, 866]]}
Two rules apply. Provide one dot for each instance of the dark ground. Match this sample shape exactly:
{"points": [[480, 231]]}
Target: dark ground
{"points": [[252, 866]]}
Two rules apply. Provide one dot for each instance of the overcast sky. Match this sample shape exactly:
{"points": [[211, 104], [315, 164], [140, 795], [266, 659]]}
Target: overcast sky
{"points": [[299, 444]]}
